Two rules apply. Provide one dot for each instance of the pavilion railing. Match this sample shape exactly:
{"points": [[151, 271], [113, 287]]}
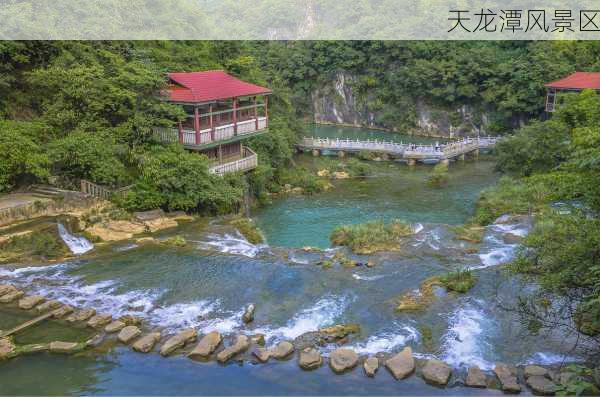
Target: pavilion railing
{"points": [[248, 162]]}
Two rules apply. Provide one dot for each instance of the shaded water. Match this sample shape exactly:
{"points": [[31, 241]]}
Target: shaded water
{"points": [[207, 285]]}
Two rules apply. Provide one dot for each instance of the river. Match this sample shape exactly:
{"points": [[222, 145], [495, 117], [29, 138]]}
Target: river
{"points": [[207, 285]]}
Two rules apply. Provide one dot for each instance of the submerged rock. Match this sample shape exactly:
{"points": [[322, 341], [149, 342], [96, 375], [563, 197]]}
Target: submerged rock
{"points": [[242, 343], [541, 385], [249, 313], [475, 377], [11, 296], [29, 302], [402, 364], [343, 359], [48, 305], [507, 377], [115, 326], [371, 365], [99, 320], [282, 350], [62, 311], [309, 359], [437, 372], [146, 343], [178, 341], [262, 354], [207, 345], [81, 315], [128, 334], [65, 347]]}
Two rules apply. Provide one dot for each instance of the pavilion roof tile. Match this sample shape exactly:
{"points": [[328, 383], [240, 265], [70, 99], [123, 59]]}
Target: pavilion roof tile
{"points": [[577, 81]]}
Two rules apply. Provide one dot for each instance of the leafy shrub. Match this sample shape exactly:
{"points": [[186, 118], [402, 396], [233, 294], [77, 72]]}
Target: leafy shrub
{"points": [[249, 230], [45, 244], [458, 281], [438, 177], [371, 236]]}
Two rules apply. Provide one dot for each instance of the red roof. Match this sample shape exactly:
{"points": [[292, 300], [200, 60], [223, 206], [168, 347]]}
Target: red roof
{"points": [[578, 81], [195, 87]]}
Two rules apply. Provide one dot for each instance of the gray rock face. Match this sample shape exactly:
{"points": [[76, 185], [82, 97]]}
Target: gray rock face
{"points": [[29, 302], [6, 288], [99, 320], [535, 370], [11, 296], [541, 385], [249, 313], [310, 358], [115, 326], [242, 343], [48, 305], [282, 350], [63, 311], [437, 372], [508, 378], [402, 364], [146, 343], [371, 365], [178, 341], [128, 334], [261, 354], [81, 315], [475, 378], [343, 359], [207, 345], [64, 347]]}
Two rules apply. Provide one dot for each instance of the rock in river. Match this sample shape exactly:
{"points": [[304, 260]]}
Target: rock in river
{"points": [[262, 354], [11, 296], [535, 370], [99, 320], [6, 288], [507, 377], [282, 350], [342, 359], [115, 326], [29, 302], [7, 348], [48, 305], [371, 365], [82, 315], [207, 345], [65, 347], [310, 358], [249, 313], [436, 372], [402, 364], [146, 343], [177, 341], [128, 334], [242, 343], [475, 377], [62, 311], [541, 385]]}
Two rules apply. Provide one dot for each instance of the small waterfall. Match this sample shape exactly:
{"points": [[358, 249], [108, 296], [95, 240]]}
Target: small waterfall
{"points": [[77, 245]]}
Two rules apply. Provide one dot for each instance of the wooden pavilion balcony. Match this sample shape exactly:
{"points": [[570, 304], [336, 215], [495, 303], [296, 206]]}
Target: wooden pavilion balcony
{"points": [[246, 161]]}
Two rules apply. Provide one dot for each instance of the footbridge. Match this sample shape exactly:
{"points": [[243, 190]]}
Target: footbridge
{"points": [[409, 151]]}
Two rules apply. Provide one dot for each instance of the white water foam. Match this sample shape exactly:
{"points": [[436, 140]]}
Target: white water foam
{"points": [[464, 343], [495, 257], [387, 341], [548, 358], [232, 244], [77, 245], [416, 228], [182, 315], [367, 278]]}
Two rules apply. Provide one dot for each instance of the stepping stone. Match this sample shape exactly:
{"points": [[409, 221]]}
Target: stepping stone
{"points": [[99, 320], [248, 315], [535, 370], [507, 377], [282, 350], [343, 359], [541, 385], [11, 296], [128, 334], [115, 326], [62, 311], [82, 315], [207, 345], [177, 341], [371, 365], [30, 301], [310, 359], [34, 348], [258, 339], [146, 343], [436, 372], [261, 354], [64, 347], [48, 305], [7, 348], [129, 319], [402, 364], [6, 288], [242, 343], [476, 377]]}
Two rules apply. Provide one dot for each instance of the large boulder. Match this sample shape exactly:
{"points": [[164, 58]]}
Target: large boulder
{"points": [[48, 305], [99, 320], [475, 377], [242, 343], [6, 288], [402, 364], [65, 347], [81, 315], [541, 385], [282, 350], [146, 343], [310, 358], [207, 345], [508, 378], [62, 311], [129, 319], [262, 354], [114, 326], [248, 315], [11, 296], [178, 341], [371, 365], [29, 302], [343, 359], [258, 339], [128, 334], [436, 372], [535, 370]]}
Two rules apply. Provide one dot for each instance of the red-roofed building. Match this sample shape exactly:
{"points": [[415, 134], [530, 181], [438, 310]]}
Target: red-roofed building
{"points": [[575, 82], [221, 112]]}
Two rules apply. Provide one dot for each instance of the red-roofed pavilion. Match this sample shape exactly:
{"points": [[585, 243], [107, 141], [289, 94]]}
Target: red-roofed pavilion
{"points": [[575, 82]]}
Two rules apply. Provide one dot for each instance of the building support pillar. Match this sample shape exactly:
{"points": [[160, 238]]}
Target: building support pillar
{"points": [[341, 154], [255, 115], [180, 129], [316, 152], [445, 161], [220, 154], [476, 153], [234, 116], [266, 111], [461, 157], [210, 122], [197, 124], [412, 162]]}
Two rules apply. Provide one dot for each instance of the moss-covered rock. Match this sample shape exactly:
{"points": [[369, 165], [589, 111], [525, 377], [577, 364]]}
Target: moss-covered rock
{"points": [[471, 233], [370, 237], [249, 230], [459, 281]]}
